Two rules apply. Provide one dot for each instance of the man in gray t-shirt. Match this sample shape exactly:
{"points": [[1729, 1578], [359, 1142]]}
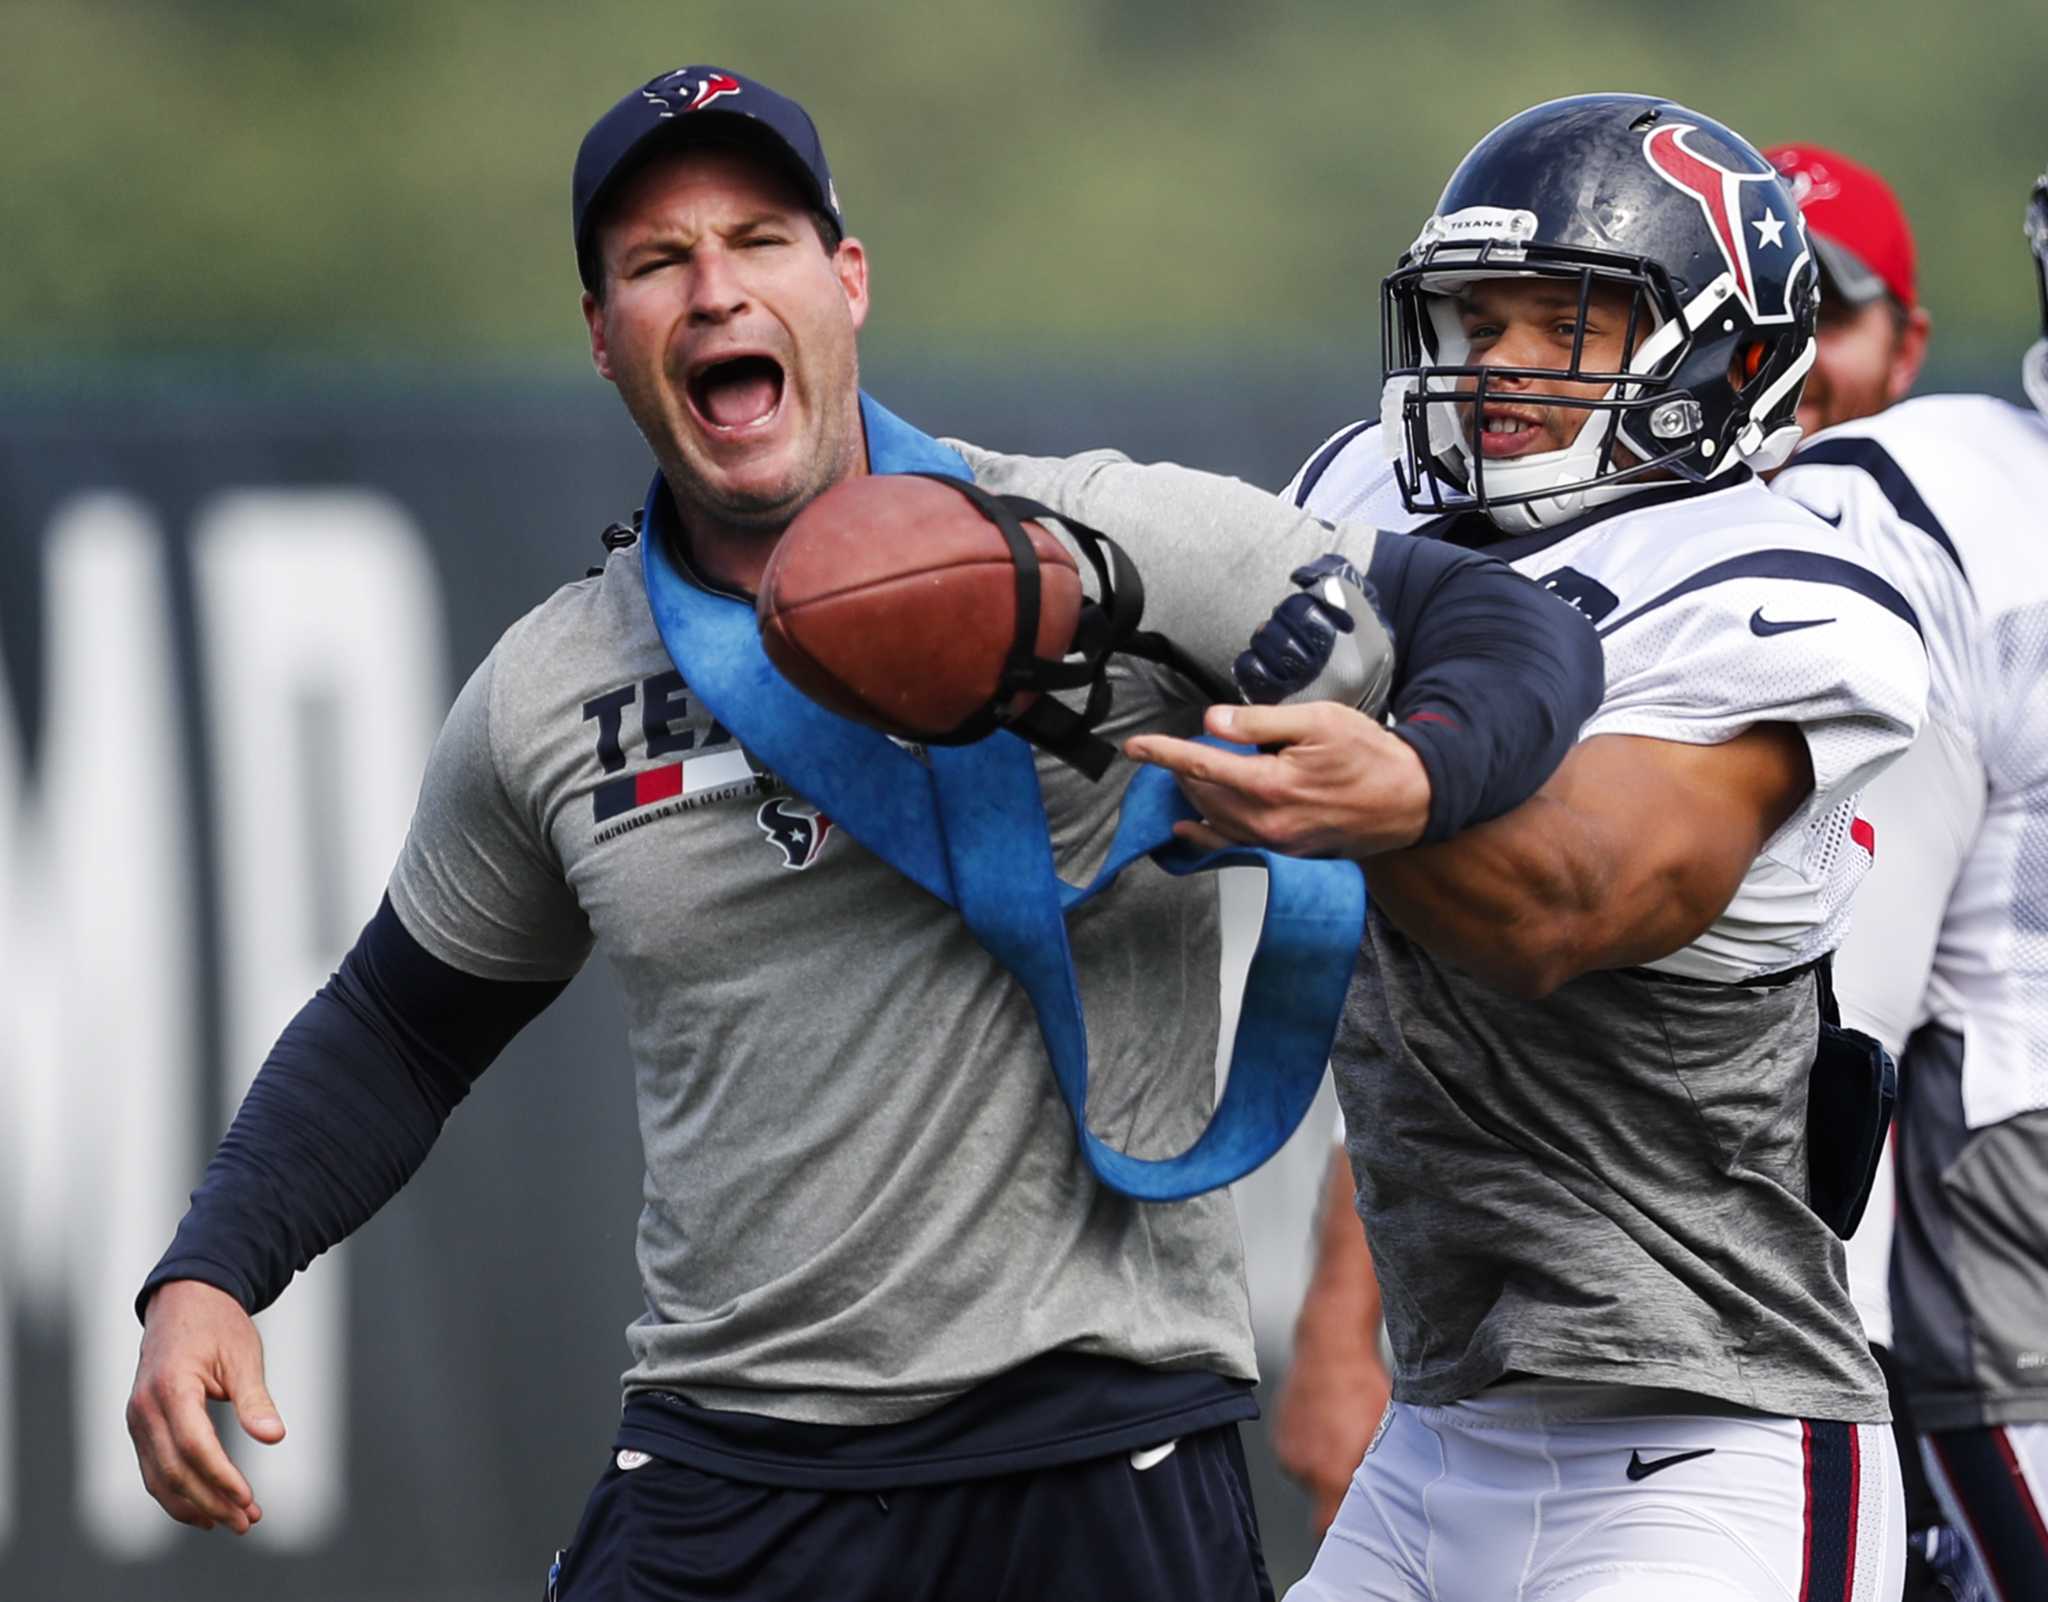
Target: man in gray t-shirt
{"points": [[897, 1338]]}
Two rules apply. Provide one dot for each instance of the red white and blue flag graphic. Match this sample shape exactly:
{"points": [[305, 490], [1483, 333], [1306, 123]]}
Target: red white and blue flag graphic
{"points": [[632, 791]]}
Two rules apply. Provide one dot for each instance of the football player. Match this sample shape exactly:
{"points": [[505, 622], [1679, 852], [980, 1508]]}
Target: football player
{"points": [[1577, 1064], [1948, 955]]}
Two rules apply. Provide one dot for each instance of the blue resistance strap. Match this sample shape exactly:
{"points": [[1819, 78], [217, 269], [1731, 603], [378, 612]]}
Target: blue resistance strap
{"points": [[970, 828]]}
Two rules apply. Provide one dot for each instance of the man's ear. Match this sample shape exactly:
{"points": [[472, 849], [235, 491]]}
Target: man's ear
{"points": [[600, 353], [1908, 352], [850, 261]]}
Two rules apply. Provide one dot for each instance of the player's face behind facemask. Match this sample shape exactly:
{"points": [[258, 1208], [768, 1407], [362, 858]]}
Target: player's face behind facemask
{"points": [[1530, 337], [1521, 380]]}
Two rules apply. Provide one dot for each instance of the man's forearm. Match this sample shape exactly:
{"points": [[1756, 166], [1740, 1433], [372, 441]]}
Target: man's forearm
{"points": [[1340, 1314], [1336, 1386], [1493, 676], [343, 1112]]}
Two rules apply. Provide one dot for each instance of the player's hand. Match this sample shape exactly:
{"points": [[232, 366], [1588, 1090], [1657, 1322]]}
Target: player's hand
{"points": [[198, 1344], [1323, 1422], [1330, 782], [1329, 642]]}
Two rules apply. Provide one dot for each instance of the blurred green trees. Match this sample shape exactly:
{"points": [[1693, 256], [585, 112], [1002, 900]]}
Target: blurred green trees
{"points": [[371, 178]]}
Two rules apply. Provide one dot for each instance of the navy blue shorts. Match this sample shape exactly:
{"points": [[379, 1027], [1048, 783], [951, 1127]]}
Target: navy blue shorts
{"points": [[1103, 1530]]}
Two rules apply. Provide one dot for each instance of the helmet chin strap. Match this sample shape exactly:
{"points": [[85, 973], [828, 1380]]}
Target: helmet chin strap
{"points": [[2034, 375], [1572, 466]]}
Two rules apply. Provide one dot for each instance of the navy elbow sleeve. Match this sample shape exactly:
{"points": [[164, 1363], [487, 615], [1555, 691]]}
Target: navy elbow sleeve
{"points": [[1493, 677], [343, 1112]]}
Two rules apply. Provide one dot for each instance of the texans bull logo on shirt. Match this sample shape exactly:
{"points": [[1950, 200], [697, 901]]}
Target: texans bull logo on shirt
{"points": [[796, 828]]}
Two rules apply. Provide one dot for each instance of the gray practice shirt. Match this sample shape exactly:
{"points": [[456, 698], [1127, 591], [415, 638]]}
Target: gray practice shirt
{"points": [[863, 1192]]}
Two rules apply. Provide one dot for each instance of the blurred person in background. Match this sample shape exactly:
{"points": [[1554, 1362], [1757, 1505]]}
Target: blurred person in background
{"points": [[898, 1340], [1872, 339], [1873, 329], [1945, 961]]}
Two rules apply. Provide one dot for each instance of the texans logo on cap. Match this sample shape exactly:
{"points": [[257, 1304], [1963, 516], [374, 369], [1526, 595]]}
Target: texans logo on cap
{"points": [[1731, 202], [714, 87]]}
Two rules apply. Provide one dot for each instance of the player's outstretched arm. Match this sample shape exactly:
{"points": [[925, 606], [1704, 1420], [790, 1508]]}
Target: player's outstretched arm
{"points": [[1629, 853], [198, 1345], [1492, 679], [1336, 1386]]}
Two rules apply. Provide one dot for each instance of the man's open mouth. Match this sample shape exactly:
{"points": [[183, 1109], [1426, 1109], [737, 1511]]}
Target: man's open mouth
{"points": [[737, 392], [1509, 433]]}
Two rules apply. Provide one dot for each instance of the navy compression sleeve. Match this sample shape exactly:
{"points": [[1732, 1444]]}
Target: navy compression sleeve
{"points": [[345, 1107], [1492, 677]]}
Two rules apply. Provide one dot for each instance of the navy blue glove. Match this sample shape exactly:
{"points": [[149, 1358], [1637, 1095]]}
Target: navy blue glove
{"points": [[1330, 642]]}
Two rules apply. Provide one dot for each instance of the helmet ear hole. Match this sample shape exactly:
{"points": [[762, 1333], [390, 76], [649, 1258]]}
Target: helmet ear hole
{"points": [[1749, 362]]}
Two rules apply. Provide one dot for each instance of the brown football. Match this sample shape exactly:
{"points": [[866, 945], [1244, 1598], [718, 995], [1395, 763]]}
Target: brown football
{"points": [[892, 600]]}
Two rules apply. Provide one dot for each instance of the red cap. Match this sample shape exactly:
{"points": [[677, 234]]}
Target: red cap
{"points": [[1858, 229]]}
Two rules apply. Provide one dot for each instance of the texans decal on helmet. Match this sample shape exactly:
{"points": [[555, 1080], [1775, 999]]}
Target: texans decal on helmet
{"points": [[1727, 198]]}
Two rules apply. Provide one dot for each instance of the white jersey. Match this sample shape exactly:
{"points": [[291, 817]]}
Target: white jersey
{"points": [[1718, 608], [1951, 490]]}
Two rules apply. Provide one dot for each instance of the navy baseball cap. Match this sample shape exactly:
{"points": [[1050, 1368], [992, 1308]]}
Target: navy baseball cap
{"points": [[662, 110]]}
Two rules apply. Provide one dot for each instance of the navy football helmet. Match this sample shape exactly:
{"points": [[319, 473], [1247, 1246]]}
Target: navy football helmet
{"points": [[2035, 368], [1609, 189]]}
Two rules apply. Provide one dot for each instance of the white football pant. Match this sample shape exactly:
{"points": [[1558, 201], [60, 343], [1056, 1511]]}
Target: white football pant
{"points": [[1534, 1491]]}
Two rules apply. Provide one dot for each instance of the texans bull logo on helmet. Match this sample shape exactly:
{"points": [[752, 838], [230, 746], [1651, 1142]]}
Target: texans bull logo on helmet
{"points": [[1733, 203], [796, 828]]}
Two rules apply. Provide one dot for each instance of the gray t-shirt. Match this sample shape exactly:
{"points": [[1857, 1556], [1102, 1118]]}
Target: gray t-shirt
{"points": [[1606, 1185], [863, 1192]]}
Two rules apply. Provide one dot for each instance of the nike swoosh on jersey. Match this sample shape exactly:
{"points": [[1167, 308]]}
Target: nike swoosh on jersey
{"points": [[1640, 1470], [1152, 1456], [1763, 627]]}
